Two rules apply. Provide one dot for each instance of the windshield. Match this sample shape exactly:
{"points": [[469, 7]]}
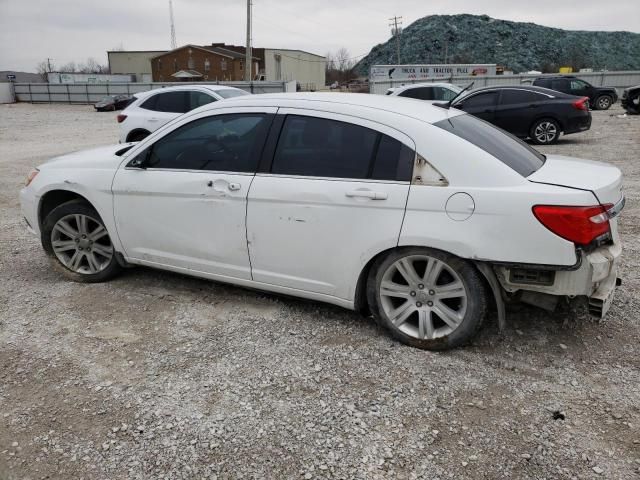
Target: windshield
{"points": [[510, 150], [107, 99], [229, 92]]}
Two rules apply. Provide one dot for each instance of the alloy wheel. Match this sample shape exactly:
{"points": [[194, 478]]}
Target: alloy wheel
{"points": [[604, 103], [82, 244], [423, 297], [545, 132]]}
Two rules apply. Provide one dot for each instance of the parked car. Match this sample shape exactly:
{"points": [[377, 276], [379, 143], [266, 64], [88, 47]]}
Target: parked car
{"points": [[600, 98], [426, 91], [630, 100], [528, 112], [154, 108], [111, 103], [399, 208]]}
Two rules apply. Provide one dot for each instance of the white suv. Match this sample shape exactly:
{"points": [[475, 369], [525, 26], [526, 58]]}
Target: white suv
{"points": [[154, 108], [422, 215], [426, 91]]}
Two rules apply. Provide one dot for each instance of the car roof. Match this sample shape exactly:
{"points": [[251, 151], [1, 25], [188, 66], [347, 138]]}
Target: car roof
{"points": [[422, 85], [530, 88], [213, 88], [374, 105]]}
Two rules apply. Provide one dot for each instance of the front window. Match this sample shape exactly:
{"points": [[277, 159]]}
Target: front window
{"points": [[207, 65], [223, 64], [230, 143], [510, 150]]}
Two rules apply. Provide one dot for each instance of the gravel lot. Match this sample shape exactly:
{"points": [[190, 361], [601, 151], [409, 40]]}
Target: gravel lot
{"points": [[156, 375]]}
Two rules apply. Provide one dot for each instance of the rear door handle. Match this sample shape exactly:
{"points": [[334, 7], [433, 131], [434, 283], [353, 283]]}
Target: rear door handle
{"points": [[154, 119], [234, 187], [367, 194]]}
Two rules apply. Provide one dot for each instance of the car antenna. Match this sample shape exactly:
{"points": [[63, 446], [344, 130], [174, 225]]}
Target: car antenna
{"points": [[448, 104]]}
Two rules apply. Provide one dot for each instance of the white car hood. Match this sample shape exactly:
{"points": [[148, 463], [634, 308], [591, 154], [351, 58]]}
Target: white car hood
{"points": [[100, 157], [604, 180]]}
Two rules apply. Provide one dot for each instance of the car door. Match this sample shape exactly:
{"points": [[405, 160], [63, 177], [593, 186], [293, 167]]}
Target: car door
{"points": [[580, 88], [561, 85], [517, 108], [333, 195], [180, 200], [481, 104], [164, 107]]}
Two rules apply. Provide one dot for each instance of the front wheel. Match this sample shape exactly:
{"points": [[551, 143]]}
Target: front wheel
{"points": [[77, 241], [545, 131], [427, 298]]}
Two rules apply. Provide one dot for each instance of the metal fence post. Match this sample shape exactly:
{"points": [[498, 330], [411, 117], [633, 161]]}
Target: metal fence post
{"points": [[30, 96], [68, 94], [86, 89], [49, 93]]}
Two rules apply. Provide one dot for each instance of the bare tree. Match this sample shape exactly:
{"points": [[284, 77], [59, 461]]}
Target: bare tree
{"points": [[339, 66], [68, 68], [343, 60], [43, 68], [118, 48], [92, 66]]}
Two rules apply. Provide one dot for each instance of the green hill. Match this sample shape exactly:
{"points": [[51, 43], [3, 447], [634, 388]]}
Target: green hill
{"points": [[518, 46]]}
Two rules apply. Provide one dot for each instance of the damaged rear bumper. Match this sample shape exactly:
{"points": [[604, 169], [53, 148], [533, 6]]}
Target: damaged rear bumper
{"points": [[595, 277]]}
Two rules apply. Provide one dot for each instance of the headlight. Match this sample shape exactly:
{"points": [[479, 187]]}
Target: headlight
{"points": [[31, 176]]}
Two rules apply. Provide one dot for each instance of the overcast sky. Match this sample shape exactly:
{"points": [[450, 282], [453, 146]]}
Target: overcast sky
{"points": [[72, 30]]}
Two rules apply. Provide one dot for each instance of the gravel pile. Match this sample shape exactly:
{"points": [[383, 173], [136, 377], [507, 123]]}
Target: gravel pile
{"points": [[158, 376]]}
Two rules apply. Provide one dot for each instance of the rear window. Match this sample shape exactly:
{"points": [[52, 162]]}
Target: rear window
{"points": [[510, 150], [231, 92]]}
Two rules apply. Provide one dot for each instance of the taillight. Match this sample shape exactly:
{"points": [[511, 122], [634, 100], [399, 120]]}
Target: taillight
{"points": [[580, 225], [121, 118], [581, 104]]}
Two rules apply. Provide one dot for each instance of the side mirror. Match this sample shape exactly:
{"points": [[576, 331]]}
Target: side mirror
{"points": [[141, 160]]}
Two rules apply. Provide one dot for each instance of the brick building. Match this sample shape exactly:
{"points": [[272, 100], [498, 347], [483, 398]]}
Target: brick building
{"points": [[193, 62]]}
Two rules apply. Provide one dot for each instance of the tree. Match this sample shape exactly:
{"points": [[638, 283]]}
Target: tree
{"points": [[43, 68], [339, 66]]}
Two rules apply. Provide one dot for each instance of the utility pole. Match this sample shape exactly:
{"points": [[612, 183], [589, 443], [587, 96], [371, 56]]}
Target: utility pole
{"points": [[49, 64], [247, 58], [396, 30]]}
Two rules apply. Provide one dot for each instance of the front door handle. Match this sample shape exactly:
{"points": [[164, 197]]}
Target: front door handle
{"points": [[222, 185], [367, 194]]}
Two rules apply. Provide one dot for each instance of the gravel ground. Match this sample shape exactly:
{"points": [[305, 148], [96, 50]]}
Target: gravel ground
{"points": [[157, 375]]}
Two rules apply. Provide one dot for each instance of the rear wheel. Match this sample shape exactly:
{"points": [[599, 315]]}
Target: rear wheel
{"points": [[545, 131], [77, 241], [603, 102], [427, 298]]}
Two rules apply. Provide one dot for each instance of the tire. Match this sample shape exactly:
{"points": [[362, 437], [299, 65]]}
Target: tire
{"points": [[137, 136], [545, 131], [78, 244], [603, 102], [445, 313]]}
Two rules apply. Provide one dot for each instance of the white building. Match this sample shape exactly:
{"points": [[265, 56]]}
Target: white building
{"points": [[133, 63], [308, 69]]}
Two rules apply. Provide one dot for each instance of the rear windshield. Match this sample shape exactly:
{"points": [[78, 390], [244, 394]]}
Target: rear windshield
{"points": [[510, 150], [229, 93]]}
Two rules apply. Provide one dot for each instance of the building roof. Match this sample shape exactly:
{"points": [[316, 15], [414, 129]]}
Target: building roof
{"points": [[217, 50], [186, 74], [295, 50]]}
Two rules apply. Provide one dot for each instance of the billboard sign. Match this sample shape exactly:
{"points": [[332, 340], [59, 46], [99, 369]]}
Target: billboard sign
{"points": [[426, 72]]}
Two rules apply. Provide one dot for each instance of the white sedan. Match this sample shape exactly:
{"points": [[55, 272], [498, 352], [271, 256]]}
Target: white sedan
{"points": [[421, 215], [426, 91], [154, 108]]}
